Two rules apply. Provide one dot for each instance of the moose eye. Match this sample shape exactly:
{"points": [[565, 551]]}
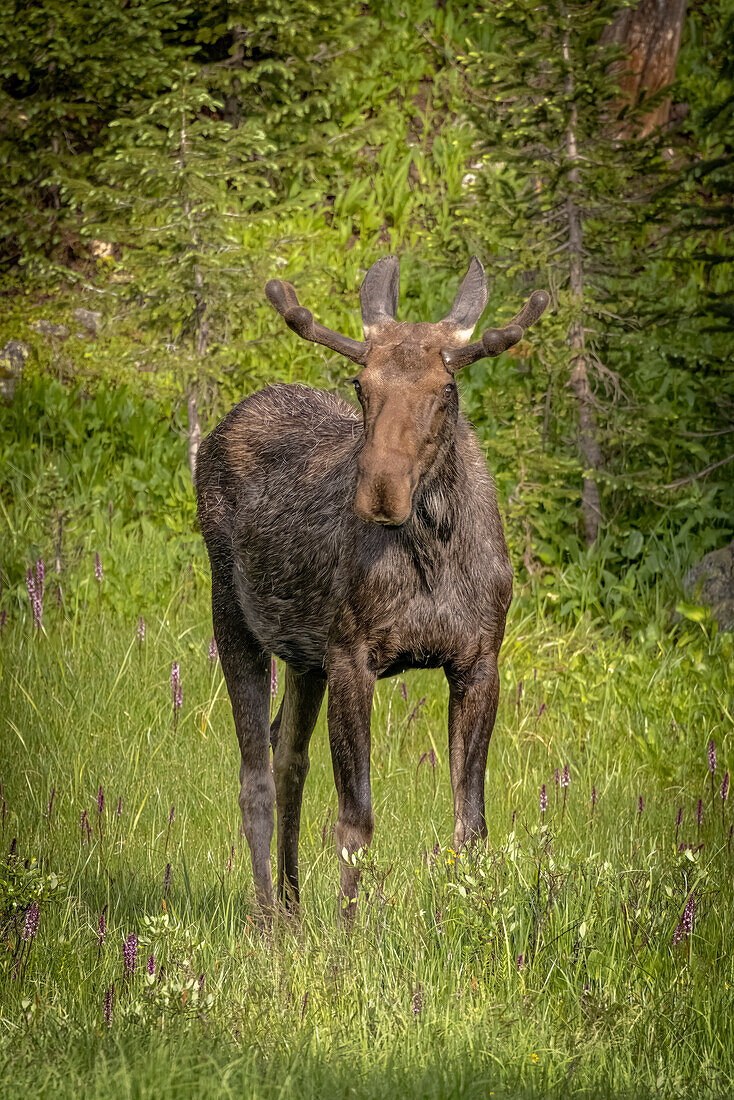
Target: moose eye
{"points": [[448, 390], [357, 387]]}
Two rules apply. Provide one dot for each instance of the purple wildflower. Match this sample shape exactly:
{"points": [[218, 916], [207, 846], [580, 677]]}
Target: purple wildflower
{"points": [[167, 878], [565, 780], [520, 961], [213, 651], [416, 710], [514, 815], [84, 824], [543, 800], [712, 756], [130, 954], [176, 691], [31, 922], [35, 592], [141, 632], [678, 820], [640, 806], [151, 965], [699, 815], [108, 1001], [101, 930], [542, 708], [686, 922], [98, 571], [593, 798], [404, 691], [100, 800], [273, 678], [119, 807], [519, 694]]}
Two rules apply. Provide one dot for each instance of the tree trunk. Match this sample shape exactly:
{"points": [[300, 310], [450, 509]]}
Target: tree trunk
{"points": [[649, 34], [201, 326], [192, 397], [192, 406], [579, 379]]}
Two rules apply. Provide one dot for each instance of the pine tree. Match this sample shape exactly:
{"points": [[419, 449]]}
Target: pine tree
{"points": [[174, 187], [564, 191]]}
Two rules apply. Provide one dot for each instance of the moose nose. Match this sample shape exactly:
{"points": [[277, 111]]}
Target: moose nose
{"points": [[384, 499]]}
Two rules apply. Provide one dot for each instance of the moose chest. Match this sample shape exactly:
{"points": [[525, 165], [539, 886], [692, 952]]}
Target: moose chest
{"points": [[415, 603]]}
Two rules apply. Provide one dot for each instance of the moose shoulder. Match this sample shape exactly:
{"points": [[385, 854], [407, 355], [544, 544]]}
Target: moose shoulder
{"points": [[355, 548]]}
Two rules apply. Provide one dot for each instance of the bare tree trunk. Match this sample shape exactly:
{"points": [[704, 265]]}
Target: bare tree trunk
{"points": [[192, 397], [579, 380], [650, 33], [201, 328], [192, 406]]}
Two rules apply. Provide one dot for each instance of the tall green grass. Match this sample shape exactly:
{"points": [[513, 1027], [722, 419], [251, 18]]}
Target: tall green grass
{"points": [[429, 995]]}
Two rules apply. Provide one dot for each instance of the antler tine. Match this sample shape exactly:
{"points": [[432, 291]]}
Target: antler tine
{"points": [[496, 340], [282, 296]]}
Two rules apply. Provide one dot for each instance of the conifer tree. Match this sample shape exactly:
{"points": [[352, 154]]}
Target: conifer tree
{"points": [[562, 189]]}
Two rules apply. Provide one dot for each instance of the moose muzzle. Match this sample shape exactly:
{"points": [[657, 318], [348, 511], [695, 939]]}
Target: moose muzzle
{"points": [[385, 488]]}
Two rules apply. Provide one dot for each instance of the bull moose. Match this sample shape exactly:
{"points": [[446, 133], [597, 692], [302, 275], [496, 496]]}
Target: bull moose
{"points": [[355, 547]]}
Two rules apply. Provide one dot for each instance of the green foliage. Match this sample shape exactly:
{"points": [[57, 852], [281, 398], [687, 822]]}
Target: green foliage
{"points": [[23, 884], [214, 146]]}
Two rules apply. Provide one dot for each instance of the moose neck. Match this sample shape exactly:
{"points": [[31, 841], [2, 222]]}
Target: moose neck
{"points": [[441, 490]]}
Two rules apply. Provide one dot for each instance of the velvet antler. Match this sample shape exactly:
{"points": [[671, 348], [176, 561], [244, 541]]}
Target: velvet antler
{"points": [[283, 297], [496, 340]]}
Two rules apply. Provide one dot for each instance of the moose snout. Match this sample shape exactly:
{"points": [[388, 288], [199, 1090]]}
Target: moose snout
{"points": [[384, 495]]}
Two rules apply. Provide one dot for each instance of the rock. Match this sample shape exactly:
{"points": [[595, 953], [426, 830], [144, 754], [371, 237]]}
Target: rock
{"points": [[50, 328], [711, 582], [89, 320], [12, 359]]}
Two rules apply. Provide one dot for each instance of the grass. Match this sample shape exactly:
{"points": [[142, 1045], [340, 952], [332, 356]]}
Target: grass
{"points": [[428, 996]]}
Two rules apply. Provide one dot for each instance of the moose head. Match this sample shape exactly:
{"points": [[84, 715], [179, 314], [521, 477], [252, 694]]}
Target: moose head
{"points": [[407, 386]]}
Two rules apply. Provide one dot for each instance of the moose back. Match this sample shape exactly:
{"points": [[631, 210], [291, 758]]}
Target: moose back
{"points": [[354, 547]]}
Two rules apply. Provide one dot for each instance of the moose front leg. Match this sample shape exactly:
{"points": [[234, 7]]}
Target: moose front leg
{"points": [[473, 699], [351, 686], [247, 673]]}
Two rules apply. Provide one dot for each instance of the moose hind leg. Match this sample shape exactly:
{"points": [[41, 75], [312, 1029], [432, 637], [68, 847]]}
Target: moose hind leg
{"points": [[296, 720], [247, 673]]}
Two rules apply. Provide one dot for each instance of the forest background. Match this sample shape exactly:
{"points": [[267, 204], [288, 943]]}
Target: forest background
{"points": [[163, 161]]}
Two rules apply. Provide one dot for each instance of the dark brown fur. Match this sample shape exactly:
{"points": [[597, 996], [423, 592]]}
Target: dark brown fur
{"points": [[353, 548]]}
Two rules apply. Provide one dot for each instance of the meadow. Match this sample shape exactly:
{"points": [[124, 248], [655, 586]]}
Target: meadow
{"points": [[586, 951]]}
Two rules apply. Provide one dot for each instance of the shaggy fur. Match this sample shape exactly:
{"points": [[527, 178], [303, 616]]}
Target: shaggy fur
{"points": [[353, 547]]}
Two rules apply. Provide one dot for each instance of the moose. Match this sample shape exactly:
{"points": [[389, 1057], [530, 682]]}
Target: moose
{"points": [[353, 548]]}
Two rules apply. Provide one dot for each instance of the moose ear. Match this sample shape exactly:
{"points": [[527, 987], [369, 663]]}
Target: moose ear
{"points": [[378, 295], [469, 303]]}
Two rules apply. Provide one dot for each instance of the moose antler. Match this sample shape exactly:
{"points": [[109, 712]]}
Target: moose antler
{"points": [[378, 295], [283, 297], [496, 340]]}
